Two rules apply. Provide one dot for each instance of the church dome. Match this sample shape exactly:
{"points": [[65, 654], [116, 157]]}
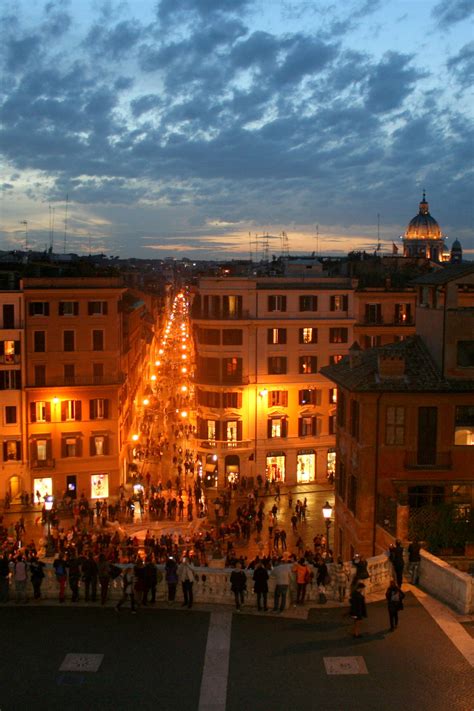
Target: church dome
{"points": [[423, 226]]}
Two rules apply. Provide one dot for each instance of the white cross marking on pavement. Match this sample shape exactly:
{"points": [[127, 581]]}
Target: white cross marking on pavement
{"points": [[216, 663]]}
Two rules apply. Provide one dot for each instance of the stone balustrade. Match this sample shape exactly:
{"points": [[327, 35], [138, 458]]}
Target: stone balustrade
{"points": [[447, 583]]}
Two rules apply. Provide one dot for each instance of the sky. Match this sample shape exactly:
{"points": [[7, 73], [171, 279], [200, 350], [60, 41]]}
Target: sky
{"points": [[192, 128]]}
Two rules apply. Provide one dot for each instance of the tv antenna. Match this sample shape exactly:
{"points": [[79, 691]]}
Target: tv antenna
{"points": [[25, 222], [65, 222]]}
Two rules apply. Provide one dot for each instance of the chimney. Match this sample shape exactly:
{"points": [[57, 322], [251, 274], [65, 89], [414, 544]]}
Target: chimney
{"points": [[355, 355], [391, 366]]}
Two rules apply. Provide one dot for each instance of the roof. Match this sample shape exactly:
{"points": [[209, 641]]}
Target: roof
{"points": [[421, 373], [450, 272]]}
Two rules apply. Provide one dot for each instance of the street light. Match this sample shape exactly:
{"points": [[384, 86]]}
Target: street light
{"points": [[327, 511], [48, 506]]}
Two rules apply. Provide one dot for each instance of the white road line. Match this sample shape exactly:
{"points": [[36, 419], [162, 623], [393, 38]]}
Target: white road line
{"points": [[216, 663], [443, 616]]}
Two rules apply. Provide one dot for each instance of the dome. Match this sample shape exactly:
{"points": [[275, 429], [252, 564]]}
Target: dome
{"points": [[423, 226]]}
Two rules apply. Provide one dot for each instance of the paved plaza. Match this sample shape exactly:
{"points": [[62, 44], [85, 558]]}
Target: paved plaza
{"points": [[213, 659]]}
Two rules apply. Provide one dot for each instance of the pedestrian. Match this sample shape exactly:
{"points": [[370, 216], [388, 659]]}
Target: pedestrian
{"points": [[281, 573], [342, 579], [171, 577], [414, 559], [238, 585], [186, 577], [20, 577], [60, 571], [74, 568], [103, 570], [362, 569], [150, 581], [394, 597], [358, 609], [36, 576], [303, 577], [89, 576], [127, 590], [4, 578], [397, 561], [260, 585]]}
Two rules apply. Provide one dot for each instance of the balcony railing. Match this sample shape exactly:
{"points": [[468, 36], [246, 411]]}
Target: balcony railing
{"points": [[440, 460], [77, 380], [10, 359], [367, 321], [220, 315], [212, 379], [214, 444], [43, 463]]}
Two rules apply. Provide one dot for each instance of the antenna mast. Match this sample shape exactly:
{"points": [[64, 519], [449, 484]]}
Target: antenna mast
{"points": [[25, 222], [285, 245], [65, 222], [266, 248], [378, 233], [317, 240]]}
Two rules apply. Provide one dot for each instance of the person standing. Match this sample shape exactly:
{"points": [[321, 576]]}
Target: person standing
{"points": [[394, 597], [103, 569], [260, 586], [150, 581], [4, 578], [186, 577], [414, 559], [303, 577], [171, 576], [238, 585], [358, 609], [396, 558], [281, 573], [127, 591], [89, 575], [37, 575], [20, 577], [74, 576], [342, 579], [60, 571]]}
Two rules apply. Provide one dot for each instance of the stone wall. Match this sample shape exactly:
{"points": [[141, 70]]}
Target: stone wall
{"points": [[447, 583]]}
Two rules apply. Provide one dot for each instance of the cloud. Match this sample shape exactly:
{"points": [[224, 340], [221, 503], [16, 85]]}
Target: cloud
{"points": [[450, 12], [390, 82], [462, 65]]}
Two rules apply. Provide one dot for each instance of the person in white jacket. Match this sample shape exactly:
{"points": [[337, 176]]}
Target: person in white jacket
{"points": [[186, 578]]}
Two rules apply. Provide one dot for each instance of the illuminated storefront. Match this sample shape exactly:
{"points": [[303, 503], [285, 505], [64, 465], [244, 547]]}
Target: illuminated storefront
{"points": [[331, 464], [42, 489], [232, 469], [99, 486], [305, 465], [275, 466]]}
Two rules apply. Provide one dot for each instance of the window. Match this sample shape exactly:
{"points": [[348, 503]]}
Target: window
{"points": [[277, 303], [68, 341], [71, 410], [69, 373], [374, 341], [332, 424], [97, 340], [464, 425], [209, 336], [8, 316], [278, 398], [232, 431], [335, 358], [465, 354], [211, 430], [97, 308], [232, 337], [339, 302], [99, 445], [309, 426], [333, 396], [38, 308], [97, 372], [355, 418], [71, 447], [308, 303], [402, 313], [40, 411], [8, 351], [277, 427], [341, 410], [308, 335], [276, 335], [40, 375], [309, 397], [11, 450], [373, 313], [395, 425], [98, 409], [42, 449], [208, 398], [68, 308], [10, 415], [208, 369], [231, 306], [10, 380], [338, 335], [277, 365], [231, 369], [308, 364], [230, 399], [352, 494], [341, 480], [39, 341]]}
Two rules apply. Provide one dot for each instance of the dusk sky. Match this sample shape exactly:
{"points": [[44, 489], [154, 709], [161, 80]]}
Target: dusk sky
{"points": [[178, 127]]}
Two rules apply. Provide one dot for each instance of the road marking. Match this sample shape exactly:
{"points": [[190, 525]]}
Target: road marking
{"points": [[345, 665], [443, 616], [81, 662], [213, 694]]}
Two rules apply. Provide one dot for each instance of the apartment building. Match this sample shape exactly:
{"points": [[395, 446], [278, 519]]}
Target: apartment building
{"points": [[12, 411], [405, 419], [384, 314], [263, 407]]}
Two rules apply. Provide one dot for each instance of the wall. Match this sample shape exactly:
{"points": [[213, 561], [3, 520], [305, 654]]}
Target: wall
{"points": [[447, 583]]}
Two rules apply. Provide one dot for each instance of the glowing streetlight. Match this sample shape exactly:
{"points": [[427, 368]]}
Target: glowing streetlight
{"points": [[153, 377], [135, 437], [146, 401], [327, 511], [184, 388]]}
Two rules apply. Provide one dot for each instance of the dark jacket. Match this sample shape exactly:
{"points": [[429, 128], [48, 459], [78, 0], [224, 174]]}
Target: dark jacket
{"points": [[394, 597], [171, 571], [414, 553], [238, 581], [357, 603], [89, 569], [151, 576], [396, 557], [260, 580]]}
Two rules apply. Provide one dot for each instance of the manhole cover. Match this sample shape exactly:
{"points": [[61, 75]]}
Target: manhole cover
{"points": [[81, 662], [345, 665]]}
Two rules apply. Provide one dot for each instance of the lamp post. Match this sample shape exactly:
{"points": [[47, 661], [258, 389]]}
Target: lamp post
{"points": [[327, 511], [48, 505]]}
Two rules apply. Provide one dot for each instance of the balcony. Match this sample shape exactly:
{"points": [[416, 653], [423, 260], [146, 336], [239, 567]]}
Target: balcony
{"points": [[225, 445], [10, 359], [43, 463], [79, 380], [380, 321], [197, 313], [440, 461], [215, 379]]}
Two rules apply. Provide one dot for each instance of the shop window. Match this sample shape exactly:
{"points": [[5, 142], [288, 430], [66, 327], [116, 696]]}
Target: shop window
{"points": [[275, 469], [99, 486], [305, 466], [464, 425]]}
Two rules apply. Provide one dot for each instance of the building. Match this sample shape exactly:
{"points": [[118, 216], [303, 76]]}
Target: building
{"points": [[405, 418], [384, 314], [423, 236]]}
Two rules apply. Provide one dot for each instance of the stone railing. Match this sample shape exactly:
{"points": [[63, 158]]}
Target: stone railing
{"points": [[212, 585], [447, 583]]}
